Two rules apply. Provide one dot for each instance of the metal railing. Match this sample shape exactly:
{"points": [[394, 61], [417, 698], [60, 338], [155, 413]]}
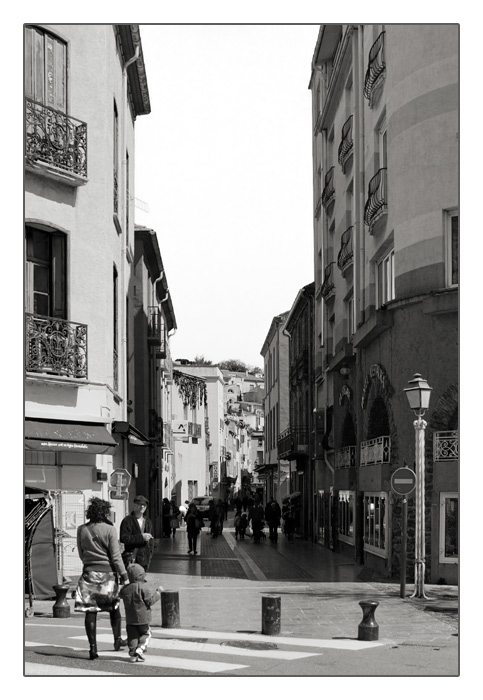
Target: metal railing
{"points": [[376, 451], [377, 197], [445, 446], [376, 67], [55, 138], [156, 331], [55, 346], [328, 193], [346, 252], [345, 457], [328, 286], [346, 144], [293, 440]]}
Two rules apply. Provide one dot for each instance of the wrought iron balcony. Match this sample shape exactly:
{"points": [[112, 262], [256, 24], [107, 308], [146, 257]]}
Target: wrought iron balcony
{"points": [[346, 253], [446, 446], [328, 193], [376, 203], [56, 140], [55, 346], [346, 145], [345, 457], [167, 435], [376, 68], [155, 426], [376, 451], [328, 287], [293, 441], [156, 331]]}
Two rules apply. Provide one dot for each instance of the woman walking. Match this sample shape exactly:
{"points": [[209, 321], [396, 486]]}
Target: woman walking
{"points": [[194, 523], [98, 587]]}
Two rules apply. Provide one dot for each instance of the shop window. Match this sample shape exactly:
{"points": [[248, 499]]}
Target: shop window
{"points": [[448, 528], [385, 280], [375, 523], [346, 516]]}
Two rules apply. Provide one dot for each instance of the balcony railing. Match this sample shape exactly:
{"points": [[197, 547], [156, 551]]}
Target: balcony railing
{"points": [[376, 451], [55, 346], [446, 446], [156, 331], [346, 144], [376, 68], [328, 287], [346, 457], [55, 139], [167, 435], [293, 441], [377, 197], [328, 193], [346, 252]]}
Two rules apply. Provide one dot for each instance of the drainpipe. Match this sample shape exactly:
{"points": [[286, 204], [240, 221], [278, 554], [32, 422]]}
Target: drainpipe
{"points": [[359, 268], [124, 320]]}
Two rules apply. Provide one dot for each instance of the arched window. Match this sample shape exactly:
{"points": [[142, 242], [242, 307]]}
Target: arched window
{"points": [[378, 420]]}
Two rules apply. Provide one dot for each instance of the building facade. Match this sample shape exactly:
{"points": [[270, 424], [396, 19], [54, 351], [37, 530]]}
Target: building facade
{"points": [[385, 173], [275, 353], [79, 247]]}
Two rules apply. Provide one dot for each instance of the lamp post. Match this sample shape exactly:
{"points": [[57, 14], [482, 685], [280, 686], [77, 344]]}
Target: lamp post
{"points": [[418, 393]]}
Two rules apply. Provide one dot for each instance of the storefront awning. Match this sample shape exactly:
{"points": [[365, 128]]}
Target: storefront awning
{"points": [[88, 438], [127, 430]]}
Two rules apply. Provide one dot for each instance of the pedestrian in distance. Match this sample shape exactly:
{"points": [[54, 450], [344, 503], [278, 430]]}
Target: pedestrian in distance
{"points": [[136, 534], [166, 517], [256, 518], [102, 568], [226, 507], [289, 523], [245, 503], [273, 514], [174, 523], [194, 523], [241, 524], [138, 601]]}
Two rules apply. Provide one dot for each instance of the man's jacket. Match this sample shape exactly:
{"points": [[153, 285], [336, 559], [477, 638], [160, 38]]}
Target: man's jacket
{"points": [[136, 549]]}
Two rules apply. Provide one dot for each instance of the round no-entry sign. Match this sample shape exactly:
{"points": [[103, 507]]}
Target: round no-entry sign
{"points": [[403, 481]]}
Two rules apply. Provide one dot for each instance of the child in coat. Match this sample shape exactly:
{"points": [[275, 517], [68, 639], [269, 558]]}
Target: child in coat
{"points": [[138, 601]]}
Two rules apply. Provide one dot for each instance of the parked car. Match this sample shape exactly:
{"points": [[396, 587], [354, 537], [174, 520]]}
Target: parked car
{"points": [[203, 504]]}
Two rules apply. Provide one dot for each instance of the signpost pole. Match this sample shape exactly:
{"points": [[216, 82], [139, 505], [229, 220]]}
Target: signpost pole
{"points": [[404, 545]]}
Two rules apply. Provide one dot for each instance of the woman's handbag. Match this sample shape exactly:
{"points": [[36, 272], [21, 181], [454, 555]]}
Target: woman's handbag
{"points": [[174, 524]]}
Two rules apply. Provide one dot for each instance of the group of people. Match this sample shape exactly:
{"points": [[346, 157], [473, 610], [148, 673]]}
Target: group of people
{"points": [[109, 576]]}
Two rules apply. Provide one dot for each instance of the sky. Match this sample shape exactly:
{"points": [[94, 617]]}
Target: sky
{"points": [[224, 165]]}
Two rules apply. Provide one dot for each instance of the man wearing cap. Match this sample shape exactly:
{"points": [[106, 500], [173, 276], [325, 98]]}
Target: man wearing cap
{"points": [[136, 534]]}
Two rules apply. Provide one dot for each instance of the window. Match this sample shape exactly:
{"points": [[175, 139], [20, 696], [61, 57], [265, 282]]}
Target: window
{"points": [[385, 280], [346, 516], [452, 247], [45, 278], [382, 143], [375, 523], [115, 156], [448, 528], [45, 69]]}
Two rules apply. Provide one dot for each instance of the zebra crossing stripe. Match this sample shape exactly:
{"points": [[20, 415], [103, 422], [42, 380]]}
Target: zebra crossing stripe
{"points": [[201, 648], [35, 669], [342, 644]]}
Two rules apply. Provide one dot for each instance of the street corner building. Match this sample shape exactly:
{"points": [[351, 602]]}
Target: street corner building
{"points": [[98, 312], [383, 305]]}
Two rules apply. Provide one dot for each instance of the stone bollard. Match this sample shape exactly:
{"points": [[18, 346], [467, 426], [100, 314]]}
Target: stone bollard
{"points": [[61, 607], [169, 609], [271, 614], [368, 628]]}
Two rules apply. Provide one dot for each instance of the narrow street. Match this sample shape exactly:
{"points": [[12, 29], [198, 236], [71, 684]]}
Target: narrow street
{"points": [[220, 612]]}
